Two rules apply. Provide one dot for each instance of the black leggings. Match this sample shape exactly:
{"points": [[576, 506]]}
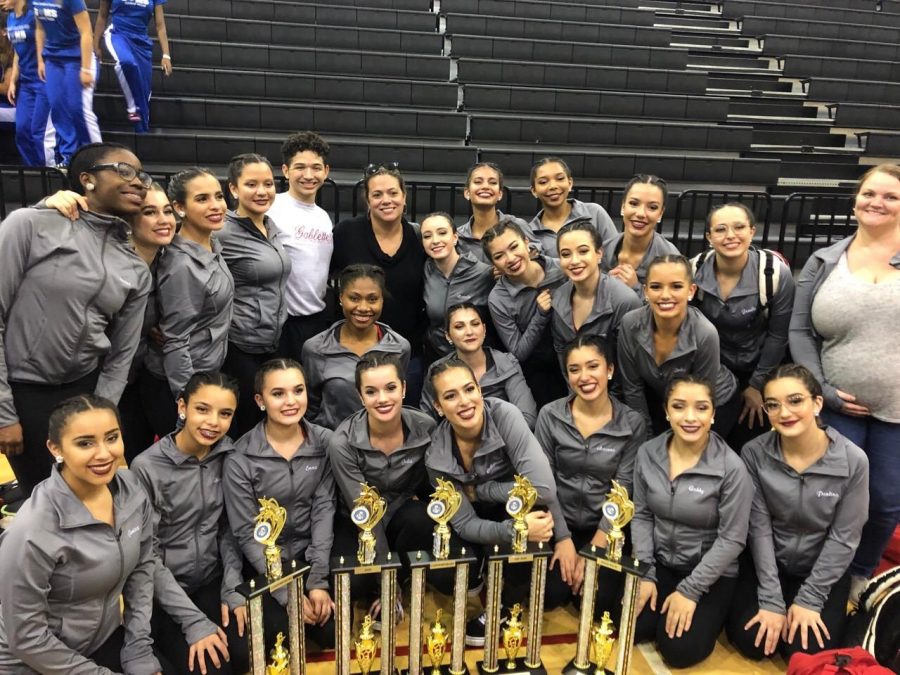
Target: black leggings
{"points": [[34, 403], [242, 366], [745, 607], [170, 643], [137, 428], [709, 617], [159, 405]]}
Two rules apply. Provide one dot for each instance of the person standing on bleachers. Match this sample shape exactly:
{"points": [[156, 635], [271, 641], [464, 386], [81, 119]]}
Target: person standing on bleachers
{"points": [[385, 238], [628, 254], [123, 26], [483, 191], [252, 247], [551, 183], [72, 300], [751, 318], [307, 235], [846, 329], [35, 135], [68, 66]]}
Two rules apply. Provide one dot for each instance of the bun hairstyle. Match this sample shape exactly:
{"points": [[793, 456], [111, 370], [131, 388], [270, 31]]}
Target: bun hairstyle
{"points": [[65, 411], [362, 271], [271, 366], [485, 165], [796, 371], [213, 378], [238, 162], [648, 179], [453, 362], [377, 360], [441, 214], [504, 225], [690, 378]]}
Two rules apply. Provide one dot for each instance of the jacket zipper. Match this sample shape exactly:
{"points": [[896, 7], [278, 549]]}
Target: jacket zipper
{"points": [[117, 536], [196, 525], [87, 306]]}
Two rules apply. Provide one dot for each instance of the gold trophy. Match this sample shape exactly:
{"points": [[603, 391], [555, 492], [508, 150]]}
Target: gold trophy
{"points": [[445, 502], [368, 510], [437, 642], [521, 500], [280, 659], [365, 646], [618, 509], [513, 635], [522, 497], [269, 524], [602, 643]]}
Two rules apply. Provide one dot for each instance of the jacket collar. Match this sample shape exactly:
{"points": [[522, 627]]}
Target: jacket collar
{"points": [[195, 250], [833, 463], [687, 339], [617, 426], [711, 463], [332, 346], [248, 225], [416, 430], [72, 512], [748, 284], [602, 305], [553, 276], [169, 448]]}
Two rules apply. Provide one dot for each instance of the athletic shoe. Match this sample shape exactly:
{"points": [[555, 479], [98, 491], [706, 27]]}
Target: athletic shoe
{"points": [[134, 117], [476, 627]]}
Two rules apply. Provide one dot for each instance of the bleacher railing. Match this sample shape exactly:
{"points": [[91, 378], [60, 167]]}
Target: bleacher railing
{"points": [[795, 225]]}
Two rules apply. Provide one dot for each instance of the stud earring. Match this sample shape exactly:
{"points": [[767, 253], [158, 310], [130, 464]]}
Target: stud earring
{"points": [[263, 408], [667, 418], [89, 187], [181, 214], [609, 377], [182, 417], [59, 459]]}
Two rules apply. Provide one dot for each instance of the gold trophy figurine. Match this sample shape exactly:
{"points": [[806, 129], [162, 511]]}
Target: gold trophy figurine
{"points": [[444, 504], [269, 523], [618, 510], [437, 642], [280, 663], [368, 510], [602, 643], [365, 646], [521, 500], [513, 635]]}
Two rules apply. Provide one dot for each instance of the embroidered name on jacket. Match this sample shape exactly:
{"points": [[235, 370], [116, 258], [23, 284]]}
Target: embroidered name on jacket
{"points": [[828, 493], [312, 467], [698, 490], [133, 530]]}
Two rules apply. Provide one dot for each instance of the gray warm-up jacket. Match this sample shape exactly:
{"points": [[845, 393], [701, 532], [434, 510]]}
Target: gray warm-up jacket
{"points": [[470, 281], [612, 302], [260, 267], [304, 485], [580, 211], [517, 318], [507, 448], [806, 344], [503, 379], [398, 476], [195, 294], [72, 298], [749, 340], [330, 370], [585, 467], [696, 524], [697, 352], [63, 574], [195, 544], [809, 523], [469, 244], [659, 245]]}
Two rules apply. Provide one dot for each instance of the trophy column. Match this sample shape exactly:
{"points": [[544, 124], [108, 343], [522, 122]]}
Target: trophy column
{"points": [[618, 510]]}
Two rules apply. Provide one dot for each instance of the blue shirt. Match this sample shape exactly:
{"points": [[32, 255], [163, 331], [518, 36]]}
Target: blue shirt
{"points": [[21, 34], [57, 17], [132, 16]]}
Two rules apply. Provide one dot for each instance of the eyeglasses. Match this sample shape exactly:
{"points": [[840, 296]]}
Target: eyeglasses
{"points": [[722, 230], [792, 402], [126, 172], [372, 169]]}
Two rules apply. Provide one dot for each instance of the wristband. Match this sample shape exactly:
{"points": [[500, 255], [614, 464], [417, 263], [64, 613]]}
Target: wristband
{"points": [[166, 56], [89, 71]]}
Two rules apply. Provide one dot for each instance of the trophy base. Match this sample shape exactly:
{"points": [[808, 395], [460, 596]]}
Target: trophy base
{"points": [[572, 669], [519, 669], [444, 670]]}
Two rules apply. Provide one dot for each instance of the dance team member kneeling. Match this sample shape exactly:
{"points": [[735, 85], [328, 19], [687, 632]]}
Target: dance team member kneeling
{"points": [[199, 564], [83, 541], [283, 458], [811, 501], [692, 498]]}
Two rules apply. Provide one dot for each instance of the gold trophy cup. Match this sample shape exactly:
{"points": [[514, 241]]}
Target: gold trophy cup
{"points": [[365, 646], [513, 635], [437, 641], [368, 510], [602, 643], [280, 659], [619, 510], [445, 502], [269, 524], [521, 500]]}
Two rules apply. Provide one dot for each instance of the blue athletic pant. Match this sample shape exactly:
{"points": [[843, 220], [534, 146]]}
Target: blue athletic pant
{"points": [[71, 106], [134, 67], [35, 135]]}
